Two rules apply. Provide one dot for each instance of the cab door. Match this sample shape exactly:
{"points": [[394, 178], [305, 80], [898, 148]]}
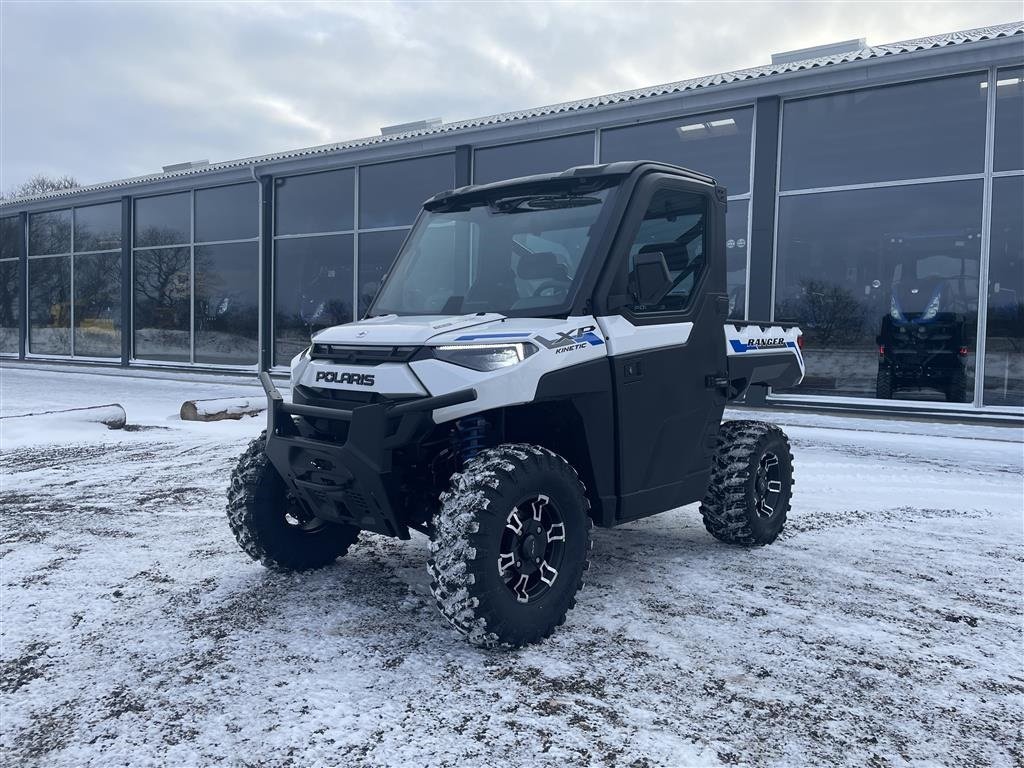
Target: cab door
{"points": [[665, 357]]}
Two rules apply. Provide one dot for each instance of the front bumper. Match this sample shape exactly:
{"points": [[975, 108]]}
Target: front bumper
{"points": [[350, 481]]}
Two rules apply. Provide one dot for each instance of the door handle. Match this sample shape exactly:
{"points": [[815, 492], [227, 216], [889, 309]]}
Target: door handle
{"points": [[633, 370]]}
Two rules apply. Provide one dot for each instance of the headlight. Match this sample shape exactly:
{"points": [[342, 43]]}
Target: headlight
{"points": [[933, 306], [484, 357], [894, 310]]}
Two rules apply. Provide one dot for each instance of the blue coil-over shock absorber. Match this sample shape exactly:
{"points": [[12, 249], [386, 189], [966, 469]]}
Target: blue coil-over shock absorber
{"points": [[471, 435]]}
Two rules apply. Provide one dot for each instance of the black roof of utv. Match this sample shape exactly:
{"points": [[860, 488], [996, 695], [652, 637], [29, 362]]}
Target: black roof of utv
{"points": [[580, 174]]}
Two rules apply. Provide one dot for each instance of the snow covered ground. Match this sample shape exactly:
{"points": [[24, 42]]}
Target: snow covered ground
{"points": [[884, 628]]}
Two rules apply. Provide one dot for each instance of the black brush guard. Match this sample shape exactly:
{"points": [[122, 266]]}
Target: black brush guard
{"points": [[351, 482]]}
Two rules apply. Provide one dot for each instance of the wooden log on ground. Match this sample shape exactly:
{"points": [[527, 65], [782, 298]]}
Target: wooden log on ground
{"points": [[222, 408], [112, 415]]}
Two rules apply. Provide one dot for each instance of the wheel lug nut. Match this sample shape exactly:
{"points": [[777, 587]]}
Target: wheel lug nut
{"points": [[538, 559]]}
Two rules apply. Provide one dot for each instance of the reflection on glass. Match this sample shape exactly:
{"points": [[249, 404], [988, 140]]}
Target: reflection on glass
{"points": [[227, 213], [312, 290], [49, 306], [1004, 347], [9, 309], [717, 144], [315, 202], [1009, 139], [161, 314], [227, 303], [98, 227], [98, 305], [884, 284], [916, 130], [391, 194], [10, 237], [377, 251], [527, 158], [49, 233], [736, 257], [163, 220]]}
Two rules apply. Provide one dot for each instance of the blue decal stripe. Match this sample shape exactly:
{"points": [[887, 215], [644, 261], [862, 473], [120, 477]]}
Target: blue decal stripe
{"points": [[492, 336], [737, 345], [591, 338]]}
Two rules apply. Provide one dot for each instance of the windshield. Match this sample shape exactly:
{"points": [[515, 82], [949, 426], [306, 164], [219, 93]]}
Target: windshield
{"points": [[520, 254]]}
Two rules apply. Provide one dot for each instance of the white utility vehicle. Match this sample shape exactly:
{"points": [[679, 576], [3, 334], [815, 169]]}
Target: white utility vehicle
{"points": [[546, 353]]}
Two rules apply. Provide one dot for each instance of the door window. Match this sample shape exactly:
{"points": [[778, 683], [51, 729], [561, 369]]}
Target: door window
{"points": [[673, 225]]}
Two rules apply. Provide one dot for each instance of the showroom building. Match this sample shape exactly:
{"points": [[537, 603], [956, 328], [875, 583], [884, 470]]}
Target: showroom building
{"points": [[853, 173]]}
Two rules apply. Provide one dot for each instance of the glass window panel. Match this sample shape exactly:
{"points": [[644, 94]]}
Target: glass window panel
{"points": [[227, 303], [673, 226], [717, 144], [98, 228], [1004, 347], [98, 305], [228, 213], [1009, 140], [527, 158], [312, 290], [892, 267], [9, 309], [377, 251], [391, 194], [736, 257], [10, 237], [49, 233], [316, 202], [163, 220], [161, 314], [917, 130], [49, 305]]}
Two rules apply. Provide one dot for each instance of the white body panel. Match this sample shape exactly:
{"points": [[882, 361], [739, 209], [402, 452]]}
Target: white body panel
{"points": [[392, 329], [763, 340], [623, 337], [558, 343]]}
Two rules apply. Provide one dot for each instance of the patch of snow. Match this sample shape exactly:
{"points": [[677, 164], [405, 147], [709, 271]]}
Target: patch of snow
{"points": [[884, 627]]}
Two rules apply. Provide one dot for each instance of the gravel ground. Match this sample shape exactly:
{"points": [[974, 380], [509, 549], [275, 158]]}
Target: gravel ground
{"points": [[884, 628]]}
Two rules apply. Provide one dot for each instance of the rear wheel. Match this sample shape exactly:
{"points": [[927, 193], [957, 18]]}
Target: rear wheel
{"points": [[751, 484], [271, 526], [512, 545], [956, 389], [885, 384]]}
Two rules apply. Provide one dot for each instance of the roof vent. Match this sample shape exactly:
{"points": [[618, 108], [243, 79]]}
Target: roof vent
{"points": [[185, 166], [418, 125], [830, 49]]}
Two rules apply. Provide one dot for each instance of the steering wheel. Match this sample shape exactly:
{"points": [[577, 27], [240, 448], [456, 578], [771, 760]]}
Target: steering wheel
{"points": [[552, 289]]}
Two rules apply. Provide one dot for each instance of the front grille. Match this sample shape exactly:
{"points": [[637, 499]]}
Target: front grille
{"points": [[343, 398], [362, 354]]}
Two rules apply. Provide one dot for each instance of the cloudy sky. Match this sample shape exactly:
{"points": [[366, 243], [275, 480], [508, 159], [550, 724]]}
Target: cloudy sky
{"points": [[107, 90]]}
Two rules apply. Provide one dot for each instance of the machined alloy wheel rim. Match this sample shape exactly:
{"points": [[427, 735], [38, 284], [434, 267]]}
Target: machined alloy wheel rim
{"points": [[532, 548], [768, 485]]}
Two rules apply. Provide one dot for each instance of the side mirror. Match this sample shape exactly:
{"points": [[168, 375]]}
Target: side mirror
{"points": [[650, 279]]}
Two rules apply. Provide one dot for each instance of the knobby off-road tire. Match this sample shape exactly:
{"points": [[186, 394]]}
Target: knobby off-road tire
{"points": [[751, 484], [511, 547], [956, 389], [270, 526], [885, 384]]}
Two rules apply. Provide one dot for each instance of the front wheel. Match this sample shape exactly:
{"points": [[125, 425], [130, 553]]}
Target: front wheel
{"points": [[751, 484], [271, 526], [511, 546]]}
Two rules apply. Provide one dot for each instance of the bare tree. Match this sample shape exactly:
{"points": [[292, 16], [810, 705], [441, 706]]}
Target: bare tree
{"points": [[40, 184]]}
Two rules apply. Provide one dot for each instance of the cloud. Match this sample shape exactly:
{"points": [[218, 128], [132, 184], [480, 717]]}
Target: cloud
{"points": [[102, 91]]}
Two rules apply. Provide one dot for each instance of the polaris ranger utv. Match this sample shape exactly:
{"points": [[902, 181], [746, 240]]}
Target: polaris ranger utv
{"points": [[923, 341], [546, 353]]}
